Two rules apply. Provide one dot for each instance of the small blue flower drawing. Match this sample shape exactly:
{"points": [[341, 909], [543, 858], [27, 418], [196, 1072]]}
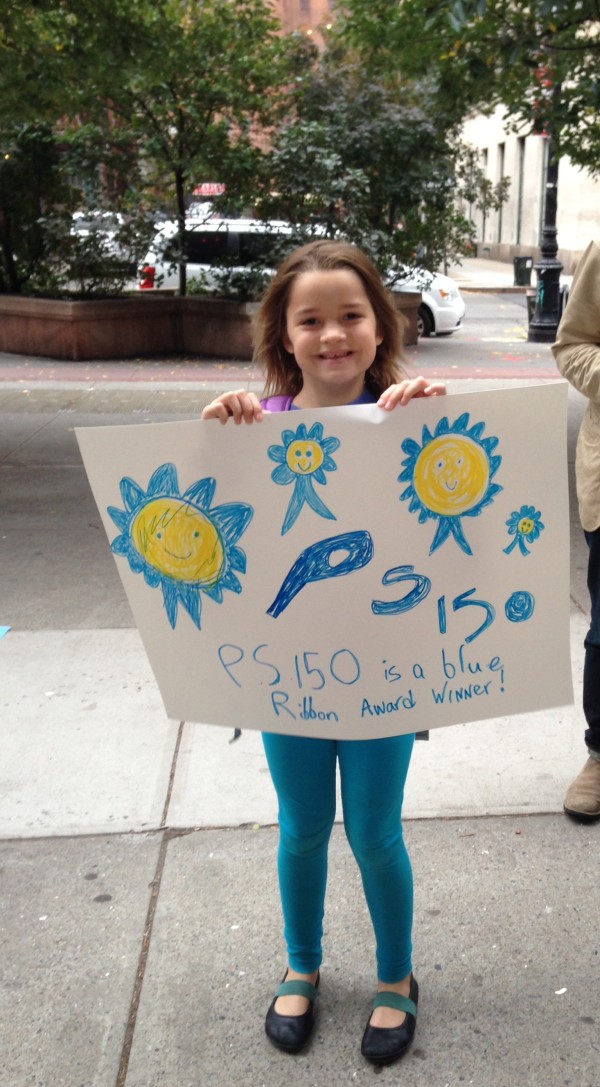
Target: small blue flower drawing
{"points": [[303, 459], [525, 525]]}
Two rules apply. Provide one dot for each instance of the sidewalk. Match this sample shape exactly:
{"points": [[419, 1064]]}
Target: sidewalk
{"points": [[482, 274], [139, 915]]}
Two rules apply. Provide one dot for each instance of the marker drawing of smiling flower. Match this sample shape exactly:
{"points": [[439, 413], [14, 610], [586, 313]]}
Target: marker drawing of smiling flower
{"points": [[180, 541], [525, 525], [303, 459], [450, 476]]}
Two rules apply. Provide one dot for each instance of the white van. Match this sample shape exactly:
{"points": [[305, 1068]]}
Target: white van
{"points": [[213, 243], [210, 245]]}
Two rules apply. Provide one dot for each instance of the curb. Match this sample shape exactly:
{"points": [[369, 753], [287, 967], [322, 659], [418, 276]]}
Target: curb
{"points": [[468, 288]]}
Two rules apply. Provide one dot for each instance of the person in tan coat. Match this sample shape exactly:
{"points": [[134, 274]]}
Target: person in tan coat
{"points": [[577, 354]]}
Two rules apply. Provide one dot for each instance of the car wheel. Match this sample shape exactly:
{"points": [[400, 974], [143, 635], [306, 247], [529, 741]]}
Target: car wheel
{"points": [[424, 321]]}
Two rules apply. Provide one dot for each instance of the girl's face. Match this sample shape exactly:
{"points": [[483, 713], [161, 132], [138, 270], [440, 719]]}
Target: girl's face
{"points": [[332, 332]]}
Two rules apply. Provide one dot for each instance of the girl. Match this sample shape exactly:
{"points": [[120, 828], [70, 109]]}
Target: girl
{"points": [[327, 334]]}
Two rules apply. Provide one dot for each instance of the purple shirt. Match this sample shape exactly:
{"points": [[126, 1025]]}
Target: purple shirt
{"points": [[284, 403]]}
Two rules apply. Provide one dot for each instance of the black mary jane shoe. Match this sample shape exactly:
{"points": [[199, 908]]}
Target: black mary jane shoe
{"points": [[383, 1045], [291, 1032]]}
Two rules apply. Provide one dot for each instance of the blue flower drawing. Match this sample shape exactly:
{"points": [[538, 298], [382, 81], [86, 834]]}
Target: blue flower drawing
{"points": [[450, 476], [525, 525], [181, 542], [302, 460]]}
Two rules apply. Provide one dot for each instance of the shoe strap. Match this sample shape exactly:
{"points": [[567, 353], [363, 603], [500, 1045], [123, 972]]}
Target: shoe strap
{"points": [[297, 988], [401, 1003]]}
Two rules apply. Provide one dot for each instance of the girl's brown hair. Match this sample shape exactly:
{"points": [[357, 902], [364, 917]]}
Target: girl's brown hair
{"points": [[282, 373]]}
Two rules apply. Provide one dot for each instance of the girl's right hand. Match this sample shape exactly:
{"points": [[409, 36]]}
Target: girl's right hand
{"points": [[240, 405]]}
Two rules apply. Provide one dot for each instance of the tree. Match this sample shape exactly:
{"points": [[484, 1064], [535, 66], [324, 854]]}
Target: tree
{"points": [[30, 182], [145, 98], [481, 53], [370, 162], [30, 154], [189, 85]]}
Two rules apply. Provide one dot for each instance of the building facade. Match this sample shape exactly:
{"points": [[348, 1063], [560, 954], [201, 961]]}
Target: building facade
{"points": [[307, 16], [516, 229]]}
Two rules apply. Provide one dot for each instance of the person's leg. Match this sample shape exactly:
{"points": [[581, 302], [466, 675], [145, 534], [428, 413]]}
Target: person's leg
{"points": [[373, 774], [583, 795], [304, 774], [591, 666]]}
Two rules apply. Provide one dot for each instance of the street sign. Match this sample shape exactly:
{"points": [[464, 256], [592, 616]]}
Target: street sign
{"points": [[210, 188]]}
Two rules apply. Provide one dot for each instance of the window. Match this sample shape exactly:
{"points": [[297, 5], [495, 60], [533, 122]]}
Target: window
{"points": [[521, 186], [211, 246], [255, 247], [501, 159]]}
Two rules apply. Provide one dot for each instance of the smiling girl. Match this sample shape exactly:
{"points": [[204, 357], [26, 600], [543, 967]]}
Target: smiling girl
{"points": [[327, 335]]}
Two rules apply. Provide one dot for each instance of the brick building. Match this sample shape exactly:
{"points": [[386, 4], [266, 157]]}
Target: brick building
{"points": [[305, 15]]}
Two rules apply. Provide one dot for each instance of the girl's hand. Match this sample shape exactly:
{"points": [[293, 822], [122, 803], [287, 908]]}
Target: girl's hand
{"points": [[240, 405], [405, 390]]}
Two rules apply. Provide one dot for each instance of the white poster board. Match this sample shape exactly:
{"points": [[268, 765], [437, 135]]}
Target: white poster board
{"points": [[348, 572]]}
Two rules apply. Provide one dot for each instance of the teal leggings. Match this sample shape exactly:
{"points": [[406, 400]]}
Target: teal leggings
{"points": [[372, 774]]}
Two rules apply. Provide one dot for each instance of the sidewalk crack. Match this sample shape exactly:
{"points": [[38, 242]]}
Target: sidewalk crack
{"points": [[165, 811], [146, 939], [142, 962]]}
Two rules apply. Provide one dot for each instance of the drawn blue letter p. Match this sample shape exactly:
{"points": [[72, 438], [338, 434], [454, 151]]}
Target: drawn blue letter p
{"points": [[314, 564]]}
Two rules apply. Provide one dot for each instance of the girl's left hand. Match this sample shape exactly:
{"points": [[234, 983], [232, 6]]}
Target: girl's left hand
{"points": [[407, 389]]}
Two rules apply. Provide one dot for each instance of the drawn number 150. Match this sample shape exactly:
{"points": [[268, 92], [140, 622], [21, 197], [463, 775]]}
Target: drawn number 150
{"points": [[321, 561]]}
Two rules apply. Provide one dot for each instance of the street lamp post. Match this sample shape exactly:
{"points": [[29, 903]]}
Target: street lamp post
{"points": [[544, 323]]}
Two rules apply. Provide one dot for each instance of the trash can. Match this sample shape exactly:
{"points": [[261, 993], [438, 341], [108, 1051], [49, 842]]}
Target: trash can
{"points": [[531, 300], [522, 266]]}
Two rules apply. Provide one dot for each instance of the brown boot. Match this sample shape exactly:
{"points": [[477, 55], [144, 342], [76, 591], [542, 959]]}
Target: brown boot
{"points": [[583, 794]]}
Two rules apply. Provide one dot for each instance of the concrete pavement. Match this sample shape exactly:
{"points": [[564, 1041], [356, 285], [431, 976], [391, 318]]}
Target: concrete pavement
{"points": [[484, 275], [139, 916]]}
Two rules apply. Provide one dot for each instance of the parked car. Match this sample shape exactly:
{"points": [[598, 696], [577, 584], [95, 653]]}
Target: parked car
{"points": [[105, 225], [442, 308], [211, 245], [236, 244], [112, 239]]}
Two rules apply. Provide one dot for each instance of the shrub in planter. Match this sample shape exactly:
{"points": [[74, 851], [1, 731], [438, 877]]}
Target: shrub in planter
{"points": [[232, 284], [89, 255]]}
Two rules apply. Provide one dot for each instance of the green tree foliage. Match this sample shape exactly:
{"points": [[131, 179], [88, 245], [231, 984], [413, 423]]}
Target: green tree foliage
{"points": [[188, 80], [369, 161], [30, 184], [128, 104], [147, 97], [187, 84], [540, 59], [30, 153]]}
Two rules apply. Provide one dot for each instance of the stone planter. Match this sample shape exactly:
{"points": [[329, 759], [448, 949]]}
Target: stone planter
{"points": [[76, 331], [125, 328], [130, 327], [216, 327], [408, 302]]}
